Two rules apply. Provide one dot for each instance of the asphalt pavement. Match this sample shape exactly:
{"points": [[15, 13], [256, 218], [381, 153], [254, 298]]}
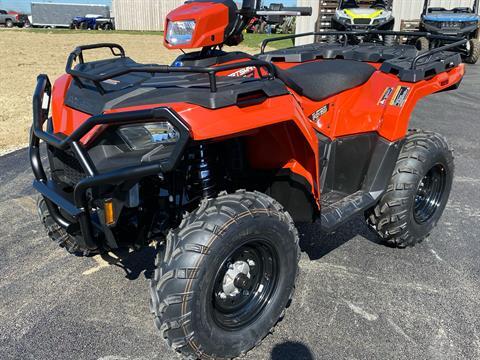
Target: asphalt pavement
{"points": [[355, 298]]}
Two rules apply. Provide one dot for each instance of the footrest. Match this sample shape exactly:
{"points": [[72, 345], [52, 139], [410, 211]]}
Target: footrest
{"points": [[51, 191], [335, 214]]}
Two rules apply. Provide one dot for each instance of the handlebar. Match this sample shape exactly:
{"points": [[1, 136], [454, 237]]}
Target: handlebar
{"points": [[303, 10], [287, 11]]}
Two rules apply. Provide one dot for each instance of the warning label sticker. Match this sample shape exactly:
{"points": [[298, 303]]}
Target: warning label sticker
{"points": [[400, 96], [386, 94]]}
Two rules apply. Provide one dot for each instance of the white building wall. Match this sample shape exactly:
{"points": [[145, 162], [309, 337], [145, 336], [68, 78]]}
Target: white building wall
{"points": [[305, 24], [145, 15]]}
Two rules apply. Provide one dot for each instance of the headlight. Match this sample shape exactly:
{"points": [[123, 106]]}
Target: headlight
{"points": [[180, 32], [470, 23], [149, 135], [343, 17]]}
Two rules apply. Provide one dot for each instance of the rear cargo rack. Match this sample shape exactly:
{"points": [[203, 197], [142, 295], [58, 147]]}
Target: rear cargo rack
{"points": [[398, 60], [364, 32], [78, 75]]}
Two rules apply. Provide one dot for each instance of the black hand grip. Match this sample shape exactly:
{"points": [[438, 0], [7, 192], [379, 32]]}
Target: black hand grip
{"points": [[303, 10]]}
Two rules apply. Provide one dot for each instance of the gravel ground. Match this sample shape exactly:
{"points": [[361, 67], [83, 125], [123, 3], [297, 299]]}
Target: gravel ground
{"points": [[355, 299]]}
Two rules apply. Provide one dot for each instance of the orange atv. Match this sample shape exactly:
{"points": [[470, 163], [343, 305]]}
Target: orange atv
{"points": [[217, 157]]}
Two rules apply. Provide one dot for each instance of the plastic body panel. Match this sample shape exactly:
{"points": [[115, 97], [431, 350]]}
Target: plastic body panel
{"points": [[281, 131]]}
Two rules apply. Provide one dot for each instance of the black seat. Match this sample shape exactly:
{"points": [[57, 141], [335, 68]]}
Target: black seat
{"points": [[321, 79]]}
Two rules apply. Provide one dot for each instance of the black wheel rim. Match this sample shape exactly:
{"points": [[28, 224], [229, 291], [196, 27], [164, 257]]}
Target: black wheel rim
{"points": [[429, 194], [251, 291]]}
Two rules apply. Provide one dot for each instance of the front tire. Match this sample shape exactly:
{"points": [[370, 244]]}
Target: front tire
{"points": [[422, 44], [56, 233], [418, 191], [226, 276], [474, 52]]}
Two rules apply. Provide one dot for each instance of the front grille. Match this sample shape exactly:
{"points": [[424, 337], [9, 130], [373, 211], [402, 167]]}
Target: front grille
{"points": [[451, 25], [65, 167], [361, 21]]}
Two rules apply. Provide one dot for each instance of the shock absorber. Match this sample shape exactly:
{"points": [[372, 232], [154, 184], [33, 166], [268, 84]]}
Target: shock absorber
{"points": [[201, 177]]}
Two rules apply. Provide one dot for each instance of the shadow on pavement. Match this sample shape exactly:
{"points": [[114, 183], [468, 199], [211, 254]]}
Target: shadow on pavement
{"points": [[317, 244], [291, 350], [134, 263]]}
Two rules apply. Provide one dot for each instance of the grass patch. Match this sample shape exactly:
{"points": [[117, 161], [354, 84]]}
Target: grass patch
{"points": [[250, 40], [255, 40]]}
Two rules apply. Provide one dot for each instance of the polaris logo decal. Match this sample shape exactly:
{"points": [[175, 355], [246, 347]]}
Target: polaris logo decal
{"points": [[244, 72], [386, 94], [319, 113], [400, 96]]}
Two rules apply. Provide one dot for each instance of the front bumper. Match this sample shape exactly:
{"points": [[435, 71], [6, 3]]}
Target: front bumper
{"points": [[72, 211], [439, 30]]}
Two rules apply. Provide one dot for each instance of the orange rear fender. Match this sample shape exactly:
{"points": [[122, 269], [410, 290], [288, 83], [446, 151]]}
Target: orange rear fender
{"points": [[397, 113]]}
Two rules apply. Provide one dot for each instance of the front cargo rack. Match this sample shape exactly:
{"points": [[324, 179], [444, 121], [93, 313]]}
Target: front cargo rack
{"points": [[118, 51]]}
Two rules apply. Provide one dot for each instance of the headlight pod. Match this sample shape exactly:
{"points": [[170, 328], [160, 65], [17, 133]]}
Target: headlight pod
{"points": [[148, 135], [180, 32], [155, 141]]}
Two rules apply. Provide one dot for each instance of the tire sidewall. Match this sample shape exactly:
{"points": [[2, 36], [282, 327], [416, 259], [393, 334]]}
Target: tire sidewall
{"points": [[213, 338]]}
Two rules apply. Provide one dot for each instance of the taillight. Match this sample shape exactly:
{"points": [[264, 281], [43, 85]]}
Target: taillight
{"points": [[17, 17]]}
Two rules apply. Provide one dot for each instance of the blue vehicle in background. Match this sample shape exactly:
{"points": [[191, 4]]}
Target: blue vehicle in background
{"points": [[92, 22], [458, 22]]}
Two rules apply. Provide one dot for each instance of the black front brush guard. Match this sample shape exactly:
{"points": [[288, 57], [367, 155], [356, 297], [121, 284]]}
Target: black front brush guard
{"points": [[78, 210]]}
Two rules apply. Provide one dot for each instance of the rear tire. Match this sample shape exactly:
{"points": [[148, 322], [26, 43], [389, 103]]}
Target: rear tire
{"points": [[9, 23], [418, 191], [422, 44], [204, 306], [474, 54]]}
